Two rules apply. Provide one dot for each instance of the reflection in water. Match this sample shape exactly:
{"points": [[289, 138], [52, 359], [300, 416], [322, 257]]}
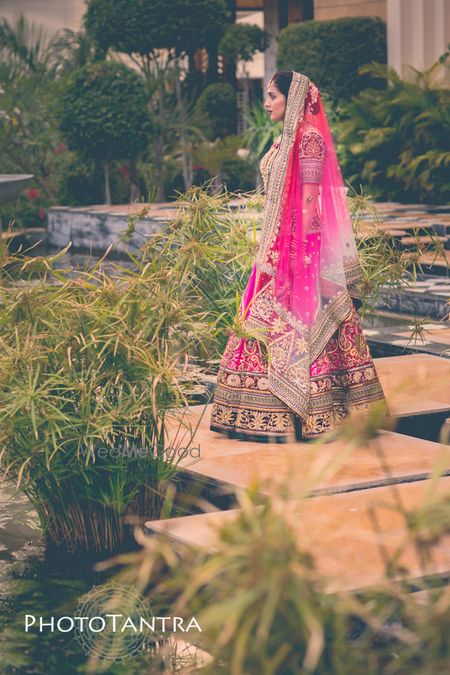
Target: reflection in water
{"points": [[32, 582]]}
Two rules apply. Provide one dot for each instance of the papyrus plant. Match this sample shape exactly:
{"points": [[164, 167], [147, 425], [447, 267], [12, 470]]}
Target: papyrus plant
{"points": [[92, 365]]}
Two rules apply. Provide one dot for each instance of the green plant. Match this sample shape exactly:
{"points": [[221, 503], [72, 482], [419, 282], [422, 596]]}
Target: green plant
{"points": [[217, 104], [104, 116], [157, 41], [238, 175], [31, 71], [396, 140], [242, 41], [29, 137], [385, 267], [331, 52], [210, 248], [261, 132], [93, 368], [214, 155], [25, 48], [142, 27]]}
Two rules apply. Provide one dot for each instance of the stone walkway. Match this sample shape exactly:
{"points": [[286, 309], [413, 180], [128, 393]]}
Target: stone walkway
{"points": [[342, 484]]}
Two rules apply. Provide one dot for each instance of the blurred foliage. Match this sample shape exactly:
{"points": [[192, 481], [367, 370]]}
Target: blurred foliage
{"points": [[258, 590], [218, 105], [242, 41], [331, 52], [261, 132], [141, 27], [103, 109], [397, 140]]}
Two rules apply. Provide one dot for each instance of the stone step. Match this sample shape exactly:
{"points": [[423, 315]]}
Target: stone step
{"points": [[417, 388], [339, 531], [392, 340], [309, 469]]}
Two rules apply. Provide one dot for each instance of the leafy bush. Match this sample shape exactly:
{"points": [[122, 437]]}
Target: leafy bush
{"points": [[107, 359], [238, 175], [104, 113], [218, 104], [28, 210], [397, 140], [242, 41], [331, 52]]}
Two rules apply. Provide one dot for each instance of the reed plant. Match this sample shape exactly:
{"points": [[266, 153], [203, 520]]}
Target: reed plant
{"points": [[94, 369], [209, 245], [386, 267]]}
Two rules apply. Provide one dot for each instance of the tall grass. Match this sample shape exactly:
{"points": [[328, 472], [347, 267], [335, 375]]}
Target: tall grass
{"points": [[94, 366]]}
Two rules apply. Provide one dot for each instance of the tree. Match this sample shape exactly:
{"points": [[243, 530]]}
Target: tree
{"points": [[104, 114], [331, 52], [157, 35]]}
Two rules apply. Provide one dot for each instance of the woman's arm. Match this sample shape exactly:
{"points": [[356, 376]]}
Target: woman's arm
{"points": [[312, 153]]}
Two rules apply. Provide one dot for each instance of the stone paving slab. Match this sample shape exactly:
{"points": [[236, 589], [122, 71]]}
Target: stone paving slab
{"points": [[313, 469], [415, 385], [340, 532], [398, 340]]}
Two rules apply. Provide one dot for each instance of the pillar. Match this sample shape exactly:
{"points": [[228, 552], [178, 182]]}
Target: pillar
{"points": [[271, 25], [418, 32]]}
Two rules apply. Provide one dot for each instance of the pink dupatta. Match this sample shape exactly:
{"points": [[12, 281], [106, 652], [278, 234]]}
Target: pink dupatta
{"points": [[307, 265]]}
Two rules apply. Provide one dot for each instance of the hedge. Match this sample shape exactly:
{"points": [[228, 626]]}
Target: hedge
{"points": [[331, 52]]}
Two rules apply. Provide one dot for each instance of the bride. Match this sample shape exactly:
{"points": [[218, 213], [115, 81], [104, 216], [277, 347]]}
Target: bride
{"points": [[313, 365]]}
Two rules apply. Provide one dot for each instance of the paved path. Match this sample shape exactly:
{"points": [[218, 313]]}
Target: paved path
{"points": [[344, 486]]}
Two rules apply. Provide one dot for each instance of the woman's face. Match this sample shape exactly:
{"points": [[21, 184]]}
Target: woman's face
{"points": [[275, 103]]}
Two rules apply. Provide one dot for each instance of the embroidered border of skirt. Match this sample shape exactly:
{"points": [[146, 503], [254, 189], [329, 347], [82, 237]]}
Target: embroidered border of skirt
{"points": [[342, 378]]}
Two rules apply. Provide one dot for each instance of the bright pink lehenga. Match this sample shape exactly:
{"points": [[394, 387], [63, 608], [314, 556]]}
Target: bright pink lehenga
{"points": [[342, 378], [299, 294]]}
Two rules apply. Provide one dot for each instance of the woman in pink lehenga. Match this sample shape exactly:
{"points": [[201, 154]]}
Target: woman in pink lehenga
{"points": [[313, 365]]}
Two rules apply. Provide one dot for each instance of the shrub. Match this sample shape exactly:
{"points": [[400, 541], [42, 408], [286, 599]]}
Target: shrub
{"points": [[140, 26], [397, 140], [331, 52], [238, 175], [242, 41], [104, 114], [218, 104]]}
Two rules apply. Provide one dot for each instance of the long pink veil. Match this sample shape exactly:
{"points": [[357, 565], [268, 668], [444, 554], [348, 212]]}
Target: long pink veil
{"points": [[304, 276]]}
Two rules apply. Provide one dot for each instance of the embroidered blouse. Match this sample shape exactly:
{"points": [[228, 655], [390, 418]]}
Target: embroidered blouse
{"points": [[311, 158], [312, 155]]}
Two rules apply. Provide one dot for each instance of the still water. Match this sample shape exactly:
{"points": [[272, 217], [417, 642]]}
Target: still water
{"points": [[34, 583]]}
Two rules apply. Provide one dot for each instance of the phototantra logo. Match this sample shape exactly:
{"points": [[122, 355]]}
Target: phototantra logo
{"points": [[113, 623]]}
